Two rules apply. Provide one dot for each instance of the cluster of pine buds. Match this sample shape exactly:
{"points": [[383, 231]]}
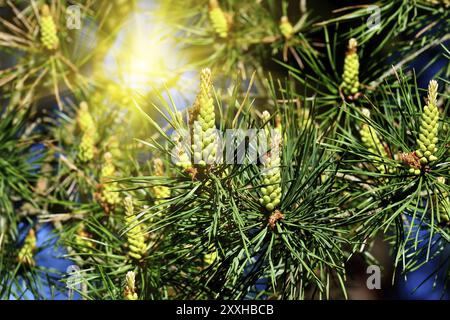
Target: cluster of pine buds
{"points": [[109, 193], [271, 192], [135, 235], [26, 253], [218, 19], [86, 124], [429, 126], [203, 118], [161, 193], [49, 38], [350, 84], [286, 27], [129, 292]]}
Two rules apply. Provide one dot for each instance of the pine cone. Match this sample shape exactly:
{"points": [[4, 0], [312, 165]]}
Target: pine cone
{"points": [[86, 148], [350, 77], [49, 38], [135, 236], [218, 19], [204, 129], [109, 194], [271, 192], [130, 286], [373, 144], [429, 126], [26, 253], [286, 27], [161, 193]]}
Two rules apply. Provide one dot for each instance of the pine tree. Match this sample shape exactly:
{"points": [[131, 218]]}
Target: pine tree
{"points": [[309, 138]]}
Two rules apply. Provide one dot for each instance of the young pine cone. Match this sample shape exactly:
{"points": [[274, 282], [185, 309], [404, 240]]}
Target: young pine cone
{"points": [[429, 126], [161, 193], [350, 84], [49, 38], [286, 27], [109, 194], [26, 253], [129, 292], [271, 192], [135, 235], [218, 19], [373, 144], [204, 143]]}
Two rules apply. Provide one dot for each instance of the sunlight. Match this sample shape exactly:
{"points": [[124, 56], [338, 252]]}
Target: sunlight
{"points": [[144, 56]]}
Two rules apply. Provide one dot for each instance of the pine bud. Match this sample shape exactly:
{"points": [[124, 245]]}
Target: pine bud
{"points": [[182, 148], [271, 192], [81, 240], [26, 253], [49, 38], [130, 287], [86, 148], [286, 27], [442, 198], [161, 193], [183, 160], [84, 118], [135, 235], [86, 124], [204, 143], [209, 258], [109, 195], [429, 126], [350, 84], [218, 19], [373, 144]]}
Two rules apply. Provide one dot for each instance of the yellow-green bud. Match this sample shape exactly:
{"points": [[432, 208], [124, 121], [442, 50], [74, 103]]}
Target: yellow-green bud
{"points": [[442, 198], [350, 78], [86, 148], [49, 38], [204, 144], [84, 118], [129, 292], [87, 127], [429, 126], [271, 192], [135, 235], [26, 253], [81, 240], [373, 144], [286, 27], [161, 193], [209, 258], [218, 19], [109, 194]]}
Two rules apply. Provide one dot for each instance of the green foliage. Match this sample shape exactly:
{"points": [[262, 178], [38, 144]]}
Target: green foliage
{"points": [[149, 203]]}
